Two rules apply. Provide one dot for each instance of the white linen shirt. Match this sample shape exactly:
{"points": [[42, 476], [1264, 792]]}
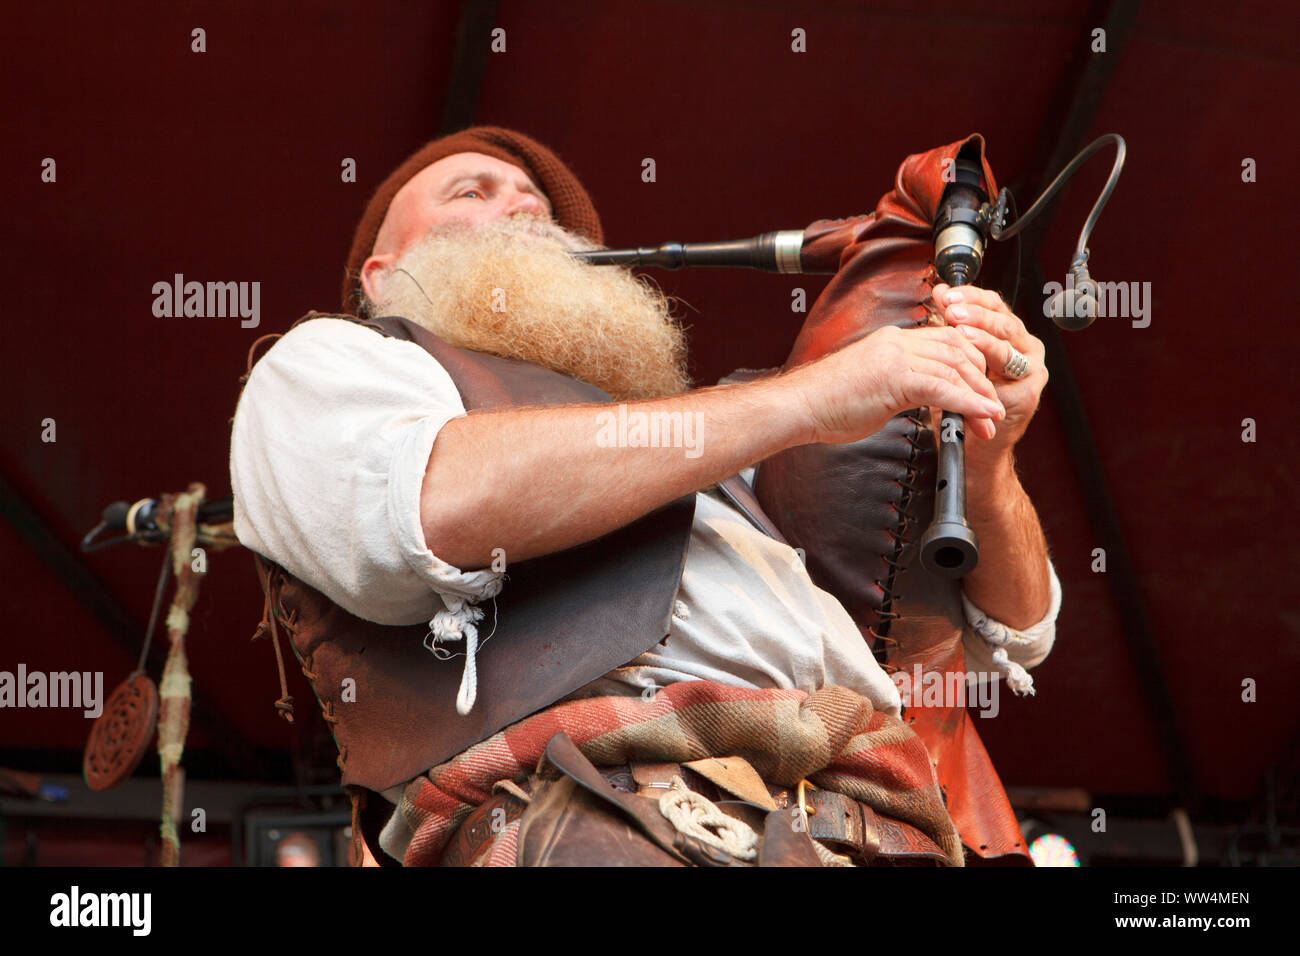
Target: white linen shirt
{"points": [[329, 449]]}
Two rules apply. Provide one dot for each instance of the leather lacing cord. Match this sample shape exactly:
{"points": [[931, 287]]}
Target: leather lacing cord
{"points": [[356, 856], [268, 628], [252, 352], [274, 612], [899, 535], [273, 336]]}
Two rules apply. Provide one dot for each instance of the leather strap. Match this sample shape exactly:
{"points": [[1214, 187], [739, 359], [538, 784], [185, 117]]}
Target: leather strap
{"points": [[845, 822], [654, 776], [566, 757], [480, 828], [785, 844], [866, 835], [736, 776], [566, 825], [738, 492]]}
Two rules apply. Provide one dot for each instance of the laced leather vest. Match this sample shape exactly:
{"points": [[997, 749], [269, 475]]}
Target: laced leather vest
{"points": [[561, 621]]}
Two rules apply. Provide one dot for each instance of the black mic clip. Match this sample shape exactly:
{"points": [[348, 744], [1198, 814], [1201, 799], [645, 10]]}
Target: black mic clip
{"points": [[138, 520], [995, 213]]}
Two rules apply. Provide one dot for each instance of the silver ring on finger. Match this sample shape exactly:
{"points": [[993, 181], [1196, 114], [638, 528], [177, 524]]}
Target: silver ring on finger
{"points": [[1017, 366]]}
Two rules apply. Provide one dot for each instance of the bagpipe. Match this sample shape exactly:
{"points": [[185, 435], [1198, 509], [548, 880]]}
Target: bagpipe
{"points": [[951, 194]]}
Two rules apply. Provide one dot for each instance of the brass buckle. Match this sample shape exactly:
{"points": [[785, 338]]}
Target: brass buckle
{"points": [[801, 796]]}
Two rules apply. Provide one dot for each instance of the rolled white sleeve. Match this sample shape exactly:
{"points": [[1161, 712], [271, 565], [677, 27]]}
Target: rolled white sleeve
{"points": [[329, 449], [992, 647]]}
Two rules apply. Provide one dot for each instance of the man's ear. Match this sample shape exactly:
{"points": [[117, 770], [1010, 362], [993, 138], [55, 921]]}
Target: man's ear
{"points": [[373, 274]]}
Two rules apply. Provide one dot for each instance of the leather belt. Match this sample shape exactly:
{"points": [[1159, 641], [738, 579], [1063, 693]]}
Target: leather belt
{"points": [[844, 825], [852, 827]]}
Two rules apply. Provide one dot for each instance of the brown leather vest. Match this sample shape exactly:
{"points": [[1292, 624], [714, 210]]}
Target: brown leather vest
{"points": [[560, 622], [859, 509]]}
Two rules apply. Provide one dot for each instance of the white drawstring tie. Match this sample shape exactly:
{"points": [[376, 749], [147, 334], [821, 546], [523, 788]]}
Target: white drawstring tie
{"points": [[459, 623]]}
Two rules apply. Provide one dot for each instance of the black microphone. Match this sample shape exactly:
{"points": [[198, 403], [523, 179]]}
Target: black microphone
{"points": [[777, 251], [141, 517]]}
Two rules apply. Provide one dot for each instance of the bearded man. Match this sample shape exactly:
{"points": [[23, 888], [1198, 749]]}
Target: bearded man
{"points": [[424, 480]]}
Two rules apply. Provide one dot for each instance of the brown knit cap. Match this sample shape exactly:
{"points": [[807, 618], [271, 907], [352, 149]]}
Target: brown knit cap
{"points": [[571, 206]]}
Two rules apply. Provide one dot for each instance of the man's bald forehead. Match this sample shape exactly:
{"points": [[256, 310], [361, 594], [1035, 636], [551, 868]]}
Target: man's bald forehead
{"points": [[487, 169], [438, 183]]}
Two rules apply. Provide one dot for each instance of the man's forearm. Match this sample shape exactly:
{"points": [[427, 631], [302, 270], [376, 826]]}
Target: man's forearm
{"points": [[532, 481], [1010, 583]]}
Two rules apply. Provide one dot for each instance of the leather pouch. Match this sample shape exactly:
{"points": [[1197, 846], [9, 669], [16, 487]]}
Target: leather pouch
{"points": [[567, 825]]}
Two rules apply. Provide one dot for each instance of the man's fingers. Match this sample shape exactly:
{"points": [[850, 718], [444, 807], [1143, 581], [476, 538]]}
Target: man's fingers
{"points": [[961, 352], [998, 323], [952, 338], [996, 351], [985, 310], [932, 382], [960, 361], [983, 427], [945, 296]]}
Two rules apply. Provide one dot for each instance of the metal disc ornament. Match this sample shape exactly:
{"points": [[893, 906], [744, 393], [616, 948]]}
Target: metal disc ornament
{"points": [[122, 734]]}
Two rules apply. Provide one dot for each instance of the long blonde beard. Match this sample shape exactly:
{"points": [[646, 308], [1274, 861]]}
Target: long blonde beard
{"points": [[502, 288]]}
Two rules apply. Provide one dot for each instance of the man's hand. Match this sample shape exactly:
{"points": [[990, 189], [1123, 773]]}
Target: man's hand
{"points": [[994, 329], [853, 392], [1011, 583]]}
